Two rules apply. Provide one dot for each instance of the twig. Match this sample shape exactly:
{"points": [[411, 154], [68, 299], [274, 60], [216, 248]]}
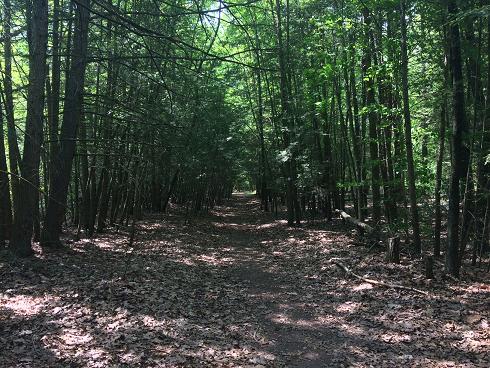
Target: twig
{"points": [[374, 282]]}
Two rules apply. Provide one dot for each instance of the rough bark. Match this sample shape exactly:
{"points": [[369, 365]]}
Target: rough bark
{"points": [[71, 118], [429, 267], [393, 250], [20, 243]]}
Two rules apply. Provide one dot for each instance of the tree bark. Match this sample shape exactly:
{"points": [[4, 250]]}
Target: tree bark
{"points": [[483, 168], [37, 11], [437, 193], [460, 153], [5, 202], [414, 213], [71, 118], [373, 119], [393, 250], [54, 93], [287, 120], [13, 147]]}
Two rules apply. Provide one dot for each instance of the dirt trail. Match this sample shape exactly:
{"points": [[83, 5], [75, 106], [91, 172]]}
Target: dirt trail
{"points": [[277, 286], [235, 288]]}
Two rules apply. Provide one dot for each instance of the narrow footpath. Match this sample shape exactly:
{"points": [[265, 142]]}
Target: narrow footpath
{"points": [[234, 288]]}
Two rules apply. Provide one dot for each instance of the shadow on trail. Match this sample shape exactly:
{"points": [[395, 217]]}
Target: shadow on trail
{"points": [[235, 288]]}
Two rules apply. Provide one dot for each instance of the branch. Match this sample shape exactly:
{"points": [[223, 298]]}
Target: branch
{"points": [[374, 282]]}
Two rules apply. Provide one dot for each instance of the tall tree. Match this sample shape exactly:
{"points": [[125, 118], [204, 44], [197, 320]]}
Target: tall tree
{"points": [[72, 114], [372, 115], [408, 132], [460, 151], [5, 203], [286, 118], [13, 147], [37, 23]]}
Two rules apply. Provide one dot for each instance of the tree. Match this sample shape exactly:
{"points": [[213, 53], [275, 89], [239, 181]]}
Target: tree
{"points": [[460, 152], [37, 18], [372, 117], [5, 203], [72, 114], [408, 132]]}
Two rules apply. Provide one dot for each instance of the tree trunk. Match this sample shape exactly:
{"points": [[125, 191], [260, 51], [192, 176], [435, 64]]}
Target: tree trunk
{"points": [[287, 120], [13, 147], [37, 12], [460, 154], [71, 117], [483, 168], [373, 119], [357, 140], [54, 94], [5, 203], [393, 250], [437, 193], [414, 213], [429, 267]]}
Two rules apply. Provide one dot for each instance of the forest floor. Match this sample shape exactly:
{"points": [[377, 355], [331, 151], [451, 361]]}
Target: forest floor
{"points": [[235, 288]]}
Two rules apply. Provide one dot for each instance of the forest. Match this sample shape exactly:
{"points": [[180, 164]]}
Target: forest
{"points": [[259, 183]]}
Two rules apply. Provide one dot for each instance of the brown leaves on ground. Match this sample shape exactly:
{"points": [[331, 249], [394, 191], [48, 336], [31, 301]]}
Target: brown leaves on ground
{"points": [[233, 289]]}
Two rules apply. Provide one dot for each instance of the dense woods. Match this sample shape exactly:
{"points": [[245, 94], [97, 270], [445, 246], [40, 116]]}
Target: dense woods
{"points": [[111, 109], [259, 183]]}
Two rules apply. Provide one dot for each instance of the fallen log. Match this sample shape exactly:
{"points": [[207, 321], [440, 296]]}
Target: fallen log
{"points": [[362, 226], [375, 282]]}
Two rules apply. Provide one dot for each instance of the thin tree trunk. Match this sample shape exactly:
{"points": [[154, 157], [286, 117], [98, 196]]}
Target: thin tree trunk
{"points": [[5, 203], [460, 155], [373, 119], [414, 213], [54, 93], [437, 194], [13, 147]]}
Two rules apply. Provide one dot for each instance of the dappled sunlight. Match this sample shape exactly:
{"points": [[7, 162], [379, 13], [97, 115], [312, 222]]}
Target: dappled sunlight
{"points": [[215, 260], [348, 307], [233, 291], [271, 225], [73, 337], [351, 329], [24, 305], [362, 286]]}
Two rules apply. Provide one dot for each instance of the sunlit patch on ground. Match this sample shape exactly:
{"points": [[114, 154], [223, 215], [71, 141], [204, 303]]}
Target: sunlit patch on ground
{"points": [[22, 305], [348, 307], [233, 288]]}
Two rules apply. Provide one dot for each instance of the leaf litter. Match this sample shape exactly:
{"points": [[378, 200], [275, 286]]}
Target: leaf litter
{"points": [[235, 288]]}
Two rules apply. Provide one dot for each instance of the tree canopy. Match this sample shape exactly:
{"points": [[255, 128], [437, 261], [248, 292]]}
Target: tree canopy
{"points": [[114, 108]]}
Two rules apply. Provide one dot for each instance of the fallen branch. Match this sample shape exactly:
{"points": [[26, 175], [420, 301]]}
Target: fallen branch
{"points": [[362, 226], [375, 282]]}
